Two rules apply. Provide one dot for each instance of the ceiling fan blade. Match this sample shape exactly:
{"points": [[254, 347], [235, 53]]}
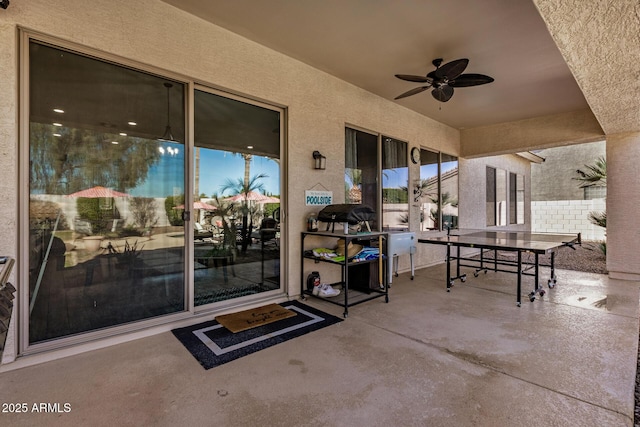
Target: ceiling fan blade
{"points": [[452, 69], [411, 78], [466, 80], [442, 93], [413, 92]]}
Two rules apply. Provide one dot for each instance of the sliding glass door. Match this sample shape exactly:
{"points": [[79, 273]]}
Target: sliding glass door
{"points": [[106, 172], [109, 218], [236, 210]]}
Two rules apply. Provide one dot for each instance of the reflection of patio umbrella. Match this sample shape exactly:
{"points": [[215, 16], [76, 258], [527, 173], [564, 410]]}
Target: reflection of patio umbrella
{"points": [[253, 196], [199, 205], [98, 191]]}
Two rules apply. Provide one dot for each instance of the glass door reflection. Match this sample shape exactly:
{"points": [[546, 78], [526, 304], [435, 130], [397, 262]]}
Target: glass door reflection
{"points": [[236, 212]]}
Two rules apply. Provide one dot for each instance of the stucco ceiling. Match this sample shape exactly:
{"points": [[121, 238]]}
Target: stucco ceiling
{"points": [[366, 42]]}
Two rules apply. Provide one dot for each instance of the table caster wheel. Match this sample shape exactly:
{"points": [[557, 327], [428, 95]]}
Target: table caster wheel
{"points": [[463, 278], [386, 299], [517, 304], [475, 274], [532, 296], [551, 283], [541, 292]]}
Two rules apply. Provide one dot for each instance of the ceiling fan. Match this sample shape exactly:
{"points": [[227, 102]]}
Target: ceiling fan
{"points": [[444, 79]]}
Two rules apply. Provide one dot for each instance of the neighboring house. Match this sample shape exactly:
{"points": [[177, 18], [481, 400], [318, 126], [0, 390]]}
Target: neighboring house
{"points": [[558, 203]]}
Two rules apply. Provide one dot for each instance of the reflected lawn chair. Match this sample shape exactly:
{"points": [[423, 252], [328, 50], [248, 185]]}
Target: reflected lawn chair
{"points": [[199, 232], [268, 232]]}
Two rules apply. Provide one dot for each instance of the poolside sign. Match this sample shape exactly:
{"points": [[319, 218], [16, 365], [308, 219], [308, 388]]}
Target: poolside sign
{"points": [[318, 198]]}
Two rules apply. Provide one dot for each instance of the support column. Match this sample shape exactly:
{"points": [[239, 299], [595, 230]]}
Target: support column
{"points": [[623, 206]]}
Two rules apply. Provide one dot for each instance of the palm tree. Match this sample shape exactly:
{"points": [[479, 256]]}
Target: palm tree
{"points": [[239, 187], [595, 175]]}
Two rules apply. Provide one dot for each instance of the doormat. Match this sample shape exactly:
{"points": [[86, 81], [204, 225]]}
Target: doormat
{"points": [[213, 345], [252, 318]]}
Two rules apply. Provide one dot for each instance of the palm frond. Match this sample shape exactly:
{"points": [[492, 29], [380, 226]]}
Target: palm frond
{"points": [[595, 174]]}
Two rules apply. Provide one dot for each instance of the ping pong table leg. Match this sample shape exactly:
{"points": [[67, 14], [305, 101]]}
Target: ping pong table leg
{"points": [[552, 280], [448, 268], [536, 272], [537, 289], [518, 303]]}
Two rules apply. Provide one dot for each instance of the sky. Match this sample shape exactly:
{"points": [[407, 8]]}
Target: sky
{"points": [[216, 167]]}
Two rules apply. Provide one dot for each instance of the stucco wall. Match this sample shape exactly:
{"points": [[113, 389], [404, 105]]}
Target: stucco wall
{"points": [[623, 206], [554, 178], [474, 179], [529, 134]]}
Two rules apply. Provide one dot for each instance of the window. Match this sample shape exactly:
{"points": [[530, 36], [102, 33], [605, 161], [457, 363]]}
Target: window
{"points": [[395, 181], [516, 198], [501, 209], [491, 196], [361, 169], [449, 190], [437, 190]]}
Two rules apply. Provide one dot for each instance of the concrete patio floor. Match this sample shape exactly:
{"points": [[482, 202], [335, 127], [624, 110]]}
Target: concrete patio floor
{"points": [[427, 358]]}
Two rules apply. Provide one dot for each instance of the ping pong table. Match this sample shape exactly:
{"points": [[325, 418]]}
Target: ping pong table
{"points": [[509, 241]]}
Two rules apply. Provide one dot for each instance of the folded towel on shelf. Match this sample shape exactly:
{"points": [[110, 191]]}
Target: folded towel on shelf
{"points": [[324, 253], [366, 254]]}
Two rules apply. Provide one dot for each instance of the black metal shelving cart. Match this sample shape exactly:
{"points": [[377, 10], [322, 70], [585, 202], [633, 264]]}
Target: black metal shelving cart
{"points": [[370, 276]]}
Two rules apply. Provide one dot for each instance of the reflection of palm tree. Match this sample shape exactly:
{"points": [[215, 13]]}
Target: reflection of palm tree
{"points": [[226, 211], [247, 167], [446, 200], [239, 187], [353, 177]]}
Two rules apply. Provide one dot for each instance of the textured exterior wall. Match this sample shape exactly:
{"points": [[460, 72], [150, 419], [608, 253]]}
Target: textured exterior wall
{"points": [[600, 41], [525, 135], [475, 178], [623, 206], [567, 216], [554, 178]]}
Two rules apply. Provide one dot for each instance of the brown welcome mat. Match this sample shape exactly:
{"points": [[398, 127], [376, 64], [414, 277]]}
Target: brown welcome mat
{"points": [[247, 319]]}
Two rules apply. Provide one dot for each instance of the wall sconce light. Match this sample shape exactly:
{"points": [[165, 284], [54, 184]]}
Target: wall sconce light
{"points": [[320, 161]]}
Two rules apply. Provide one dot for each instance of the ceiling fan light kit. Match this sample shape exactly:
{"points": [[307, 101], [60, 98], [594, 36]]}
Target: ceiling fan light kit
{"points": [[443, 79]]}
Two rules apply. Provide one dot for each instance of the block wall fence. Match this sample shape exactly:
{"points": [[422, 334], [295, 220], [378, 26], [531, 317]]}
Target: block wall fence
{"points": [[567, 216]]}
